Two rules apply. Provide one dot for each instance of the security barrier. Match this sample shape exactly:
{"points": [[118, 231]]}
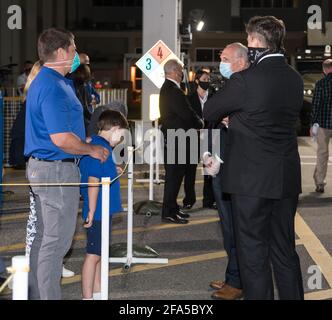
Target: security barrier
{"points": [[110, 95], [13, 105], [11, 108], [1, 144]]}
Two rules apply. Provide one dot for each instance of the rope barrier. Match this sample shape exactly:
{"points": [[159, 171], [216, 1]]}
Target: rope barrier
{"points": [[69, 184]]}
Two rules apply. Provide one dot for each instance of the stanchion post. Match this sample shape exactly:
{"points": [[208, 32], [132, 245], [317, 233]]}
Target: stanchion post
{"points": [[20, 266], [151, 179], [105, 235], [157, 151], [1, 143], [130, 206]]}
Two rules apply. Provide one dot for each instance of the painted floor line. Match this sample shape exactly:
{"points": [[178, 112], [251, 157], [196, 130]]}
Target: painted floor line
{"points": [[172, 263], [82, 236], [315, 248]]}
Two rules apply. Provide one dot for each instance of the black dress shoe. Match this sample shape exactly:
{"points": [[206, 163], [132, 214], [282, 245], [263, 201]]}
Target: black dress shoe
{"points": [[183, 215], [320, 189], [211, 206], [175, 219], [187, 207]]}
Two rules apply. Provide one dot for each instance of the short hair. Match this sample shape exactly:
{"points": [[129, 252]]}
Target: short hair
{"points": [[270, 30], [200, 73], [110, 119], [327, 64], [118, 106], [51, 40], [171, 66], [241, 50]]}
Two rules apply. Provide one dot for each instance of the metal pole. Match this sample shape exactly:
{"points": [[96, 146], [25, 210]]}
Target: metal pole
{"points": [[157, 151], [130, 206], [151, 166], [1, 142], [105, 235]]}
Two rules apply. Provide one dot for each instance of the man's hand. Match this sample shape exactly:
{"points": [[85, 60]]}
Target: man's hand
{"points": [[212, 166], [89, 221], [226, 122], [208, 161], [311, 132], [100, 153], [119, 170]]}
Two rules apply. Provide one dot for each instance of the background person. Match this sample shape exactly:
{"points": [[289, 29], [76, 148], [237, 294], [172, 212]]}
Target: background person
{"points": [[262, 170], [95, 96], [197, 101], [322, 116], [81, 78], [22, 78]]}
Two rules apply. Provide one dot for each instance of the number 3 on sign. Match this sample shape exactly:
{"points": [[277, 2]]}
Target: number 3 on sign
{"points": [[148, 64]]}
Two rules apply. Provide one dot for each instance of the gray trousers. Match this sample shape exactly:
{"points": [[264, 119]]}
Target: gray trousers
{"points": [[57, 210]]}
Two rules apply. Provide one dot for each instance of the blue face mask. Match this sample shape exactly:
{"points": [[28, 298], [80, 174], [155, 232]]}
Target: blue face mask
{"points": [[76, 63], [226, 70]]}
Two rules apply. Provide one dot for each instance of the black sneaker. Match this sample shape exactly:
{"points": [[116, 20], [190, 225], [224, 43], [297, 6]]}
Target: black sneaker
{"points": [[320, 189]]}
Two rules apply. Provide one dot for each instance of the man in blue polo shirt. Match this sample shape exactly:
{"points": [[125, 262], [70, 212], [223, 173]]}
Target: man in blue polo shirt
{"points": [[55, 141]]}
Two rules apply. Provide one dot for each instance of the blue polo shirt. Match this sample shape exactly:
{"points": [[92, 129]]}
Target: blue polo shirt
{"points": [[91, 167], [52, 108]]}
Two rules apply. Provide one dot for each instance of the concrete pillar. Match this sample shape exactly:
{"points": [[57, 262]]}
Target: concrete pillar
{"points": [[160, 22]]}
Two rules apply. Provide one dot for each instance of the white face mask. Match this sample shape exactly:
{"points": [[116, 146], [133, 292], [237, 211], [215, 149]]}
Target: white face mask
{"points": [[116, 136]]}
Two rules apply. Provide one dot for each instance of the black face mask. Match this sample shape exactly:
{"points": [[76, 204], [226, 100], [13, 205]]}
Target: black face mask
{"points": [[254, 54], [204, 85]]}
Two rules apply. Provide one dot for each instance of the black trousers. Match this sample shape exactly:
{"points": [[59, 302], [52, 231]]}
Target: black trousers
{"points": [[224, 204], [173, 180], [265, 236], [189, 187]]}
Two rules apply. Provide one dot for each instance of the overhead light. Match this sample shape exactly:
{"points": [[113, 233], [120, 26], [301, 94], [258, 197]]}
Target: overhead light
{"points": [[200, 26]]}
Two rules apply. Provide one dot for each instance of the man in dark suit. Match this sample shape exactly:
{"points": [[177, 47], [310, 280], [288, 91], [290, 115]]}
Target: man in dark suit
{"points": [[176, 114], [235, 55], [262, 169]]}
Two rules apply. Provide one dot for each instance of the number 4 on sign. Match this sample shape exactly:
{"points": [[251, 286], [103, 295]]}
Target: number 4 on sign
{"points": [[160, 53]]}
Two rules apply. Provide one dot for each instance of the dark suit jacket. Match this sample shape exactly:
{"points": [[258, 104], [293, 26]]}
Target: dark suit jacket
{"points": [[175, 109], [264, 103], [196, 104]]}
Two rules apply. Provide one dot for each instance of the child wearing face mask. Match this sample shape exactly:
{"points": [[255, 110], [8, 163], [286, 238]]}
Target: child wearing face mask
{"points": [[111, 125]]}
